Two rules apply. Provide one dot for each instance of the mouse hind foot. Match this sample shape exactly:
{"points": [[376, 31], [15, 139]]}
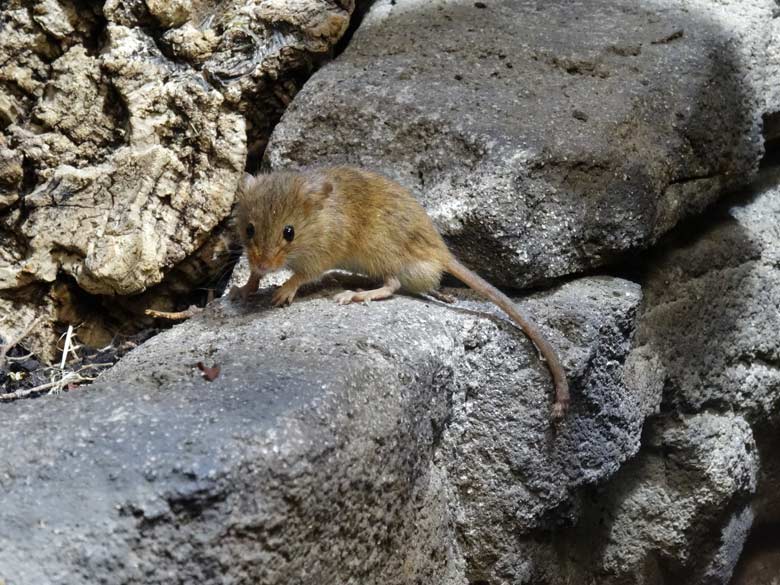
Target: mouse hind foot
{"points": [[386, 291]]}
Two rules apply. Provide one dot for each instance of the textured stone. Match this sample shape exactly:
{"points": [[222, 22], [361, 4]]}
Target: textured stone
{"points": [[323, 452], [406, 441], [173, 158], [677, 513], [259, 53], [505, 490], [548, 137], [708, 334], [711, 317], [23, 72], [119, 158], [668, 502]]}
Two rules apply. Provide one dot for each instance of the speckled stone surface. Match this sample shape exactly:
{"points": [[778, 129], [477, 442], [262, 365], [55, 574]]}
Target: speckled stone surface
{"points": [[335, 446]]}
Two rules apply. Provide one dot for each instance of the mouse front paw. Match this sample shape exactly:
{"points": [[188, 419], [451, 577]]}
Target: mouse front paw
{"points": [[283, 296], [238, 293]]}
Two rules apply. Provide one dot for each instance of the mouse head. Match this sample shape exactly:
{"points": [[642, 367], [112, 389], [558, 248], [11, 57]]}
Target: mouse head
{"points": [[277, 217]]}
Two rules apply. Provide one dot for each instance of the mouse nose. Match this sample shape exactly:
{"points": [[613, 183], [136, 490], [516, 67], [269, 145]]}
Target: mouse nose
{"points": [[263, 263], [256, 262]]}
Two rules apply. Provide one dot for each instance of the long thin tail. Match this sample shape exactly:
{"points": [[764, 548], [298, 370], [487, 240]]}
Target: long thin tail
{"points": [[483, 287]]}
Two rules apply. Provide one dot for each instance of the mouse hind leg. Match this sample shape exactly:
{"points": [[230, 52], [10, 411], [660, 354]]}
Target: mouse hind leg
{"points": [[421, 277], [417, 277], [387, 290]]}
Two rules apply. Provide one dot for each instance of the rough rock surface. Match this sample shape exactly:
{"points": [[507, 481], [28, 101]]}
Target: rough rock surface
{"points": [[659, 519], [490, 448], [711, 312], [123, 132], [677, 513], [406, 441], [548, 136], [708, 333], [331, 448]]}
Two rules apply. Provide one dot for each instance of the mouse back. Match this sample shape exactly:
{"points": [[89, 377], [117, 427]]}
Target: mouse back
{"points": [[386, 228]]}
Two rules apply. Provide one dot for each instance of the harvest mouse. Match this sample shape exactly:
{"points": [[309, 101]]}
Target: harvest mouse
{"points": [[360, 221]]}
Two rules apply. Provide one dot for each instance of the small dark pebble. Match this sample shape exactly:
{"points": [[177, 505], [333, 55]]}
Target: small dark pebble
{"points": [[580, 115], [480, 4], [458, 77]]}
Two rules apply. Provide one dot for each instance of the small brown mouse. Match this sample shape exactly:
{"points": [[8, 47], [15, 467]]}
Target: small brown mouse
{"points": [[360, 221]]}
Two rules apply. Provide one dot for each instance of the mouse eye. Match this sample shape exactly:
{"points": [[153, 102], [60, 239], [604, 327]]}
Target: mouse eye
{"points": [[288, 233], [250, 231]]}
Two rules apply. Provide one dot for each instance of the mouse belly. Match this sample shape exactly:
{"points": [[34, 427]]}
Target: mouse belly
{"points": [[416, 276]]}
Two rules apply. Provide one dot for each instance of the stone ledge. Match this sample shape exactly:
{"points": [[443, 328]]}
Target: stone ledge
{"points": [[327, 450]]}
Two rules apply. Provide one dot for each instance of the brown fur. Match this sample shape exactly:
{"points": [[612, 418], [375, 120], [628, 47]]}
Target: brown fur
{"points": [[363, 222]]}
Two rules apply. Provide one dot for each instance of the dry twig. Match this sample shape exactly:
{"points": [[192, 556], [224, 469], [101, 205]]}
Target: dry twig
{"points": [[66, 348], [175, 316], [69, 378]]}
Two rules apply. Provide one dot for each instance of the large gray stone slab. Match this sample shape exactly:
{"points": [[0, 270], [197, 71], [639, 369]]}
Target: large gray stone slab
{"points": [[709, 334], [546, 138], [335, 446], [680, 511], [710, 323]]}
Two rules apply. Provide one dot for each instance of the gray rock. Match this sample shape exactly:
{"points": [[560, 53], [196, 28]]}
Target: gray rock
{"points": [[548, 137], [733, 536], [679, 512], [708, 334], [334, 446], [491, 446], [709, 319]]}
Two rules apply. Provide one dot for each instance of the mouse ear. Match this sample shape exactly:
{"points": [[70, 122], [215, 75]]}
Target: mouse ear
{"points": [[247, 182], [318, 188]]}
